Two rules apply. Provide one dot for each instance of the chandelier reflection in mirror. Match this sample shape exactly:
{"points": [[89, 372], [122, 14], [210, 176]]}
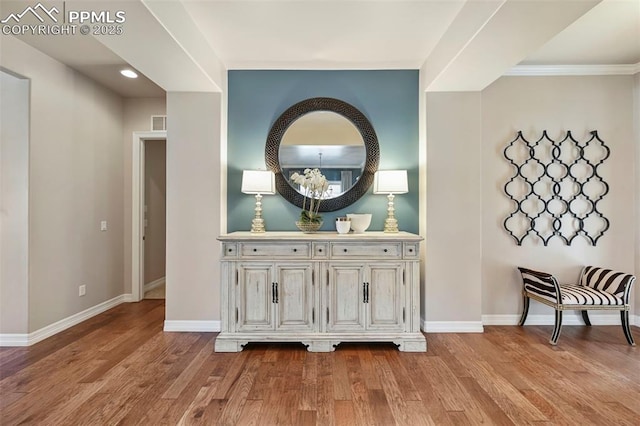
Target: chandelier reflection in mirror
{"points": [[326, 141]]}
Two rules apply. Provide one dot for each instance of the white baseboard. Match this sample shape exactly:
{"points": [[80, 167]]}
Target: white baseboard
{"points": [[452, 326], [568, 318], [153, 284], [22, 339], [18, 339], [511, 319], [14, 339], [194, 326]]}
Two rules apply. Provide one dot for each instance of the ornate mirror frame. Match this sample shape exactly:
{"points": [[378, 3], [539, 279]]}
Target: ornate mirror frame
{"points": [[348, 111]]}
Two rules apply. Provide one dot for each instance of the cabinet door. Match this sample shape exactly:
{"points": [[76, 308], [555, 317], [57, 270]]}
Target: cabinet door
{"points": [[385, 297], [346, 298], [295, 297], [255, 297]]}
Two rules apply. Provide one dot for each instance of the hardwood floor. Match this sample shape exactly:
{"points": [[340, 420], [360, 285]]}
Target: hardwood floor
{"points": [[121, 368]]}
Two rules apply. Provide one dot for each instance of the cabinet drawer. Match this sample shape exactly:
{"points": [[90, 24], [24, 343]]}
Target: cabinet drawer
{"points": [[320, 250], [376, 250], [229, 250], [411, 250], [276, 250]]}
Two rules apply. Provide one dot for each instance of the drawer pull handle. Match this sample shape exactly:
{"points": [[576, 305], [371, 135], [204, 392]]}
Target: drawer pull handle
{"points": [[410, 250], [230, 250], [385, 250], [295, 250], [345, 250], [320, 250], [255, 249]]}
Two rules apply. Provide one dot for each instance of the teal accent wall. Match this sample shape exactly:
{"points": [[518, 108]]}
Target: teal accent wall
{"points": [[388, 98]]}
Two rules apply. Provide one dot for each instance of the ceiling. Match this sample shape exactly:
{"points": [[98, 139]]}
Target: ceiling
{"points": [[187, 45], [323, 34]]}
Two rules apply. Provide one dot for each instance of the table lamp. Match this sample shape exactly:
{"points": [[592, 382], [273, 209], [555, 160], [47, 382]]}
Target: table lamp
{"points": [[390, 182], [258, 182]]}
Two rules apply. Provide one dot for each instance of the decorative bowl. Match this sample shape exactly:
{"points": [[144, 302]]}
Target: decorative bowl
{"points": [[309, 227], [359, 221]]}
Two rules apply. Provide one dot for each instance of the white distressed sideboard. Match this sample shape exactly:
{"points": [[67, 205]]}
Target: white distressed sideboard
{"points": [[320, 289]]}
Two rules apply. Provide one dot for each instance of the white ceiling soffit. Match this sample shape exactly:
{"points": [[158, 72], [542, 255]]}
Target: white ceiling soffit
{"points": [[468, 23], [84, 54], [513, 31], [609, 34], [604, 41], [177, 22], [153, 49], [96, 61]]}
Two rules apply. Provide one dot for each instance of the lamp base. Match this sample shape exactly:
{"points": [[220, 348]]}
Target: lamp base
{"points": [[257, 226], [390, 225]]}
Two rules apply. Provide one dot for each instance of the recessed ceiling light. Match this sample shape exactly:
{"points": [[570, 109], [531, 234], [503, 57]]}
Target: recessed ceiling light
{"points": [[129, 73]]}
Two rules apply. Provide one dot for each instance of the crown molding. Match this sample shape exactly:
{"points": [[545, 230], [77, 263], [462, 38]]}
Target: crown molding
{"points": [[559, 70]]}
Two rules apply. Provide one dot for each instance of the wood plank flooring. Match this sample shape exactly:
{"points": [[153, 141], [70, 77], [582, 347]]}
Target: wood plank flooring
{"points": [[120, 368]]}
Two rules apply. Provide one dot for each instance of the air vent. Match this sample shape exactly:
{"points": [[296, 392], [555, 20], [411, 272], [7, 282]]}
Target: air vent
{"points": [[158, 122]]}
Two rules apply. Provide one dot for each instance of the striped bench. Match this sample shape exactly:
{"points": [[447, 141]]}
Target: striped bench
{"points": [[597, 289]]}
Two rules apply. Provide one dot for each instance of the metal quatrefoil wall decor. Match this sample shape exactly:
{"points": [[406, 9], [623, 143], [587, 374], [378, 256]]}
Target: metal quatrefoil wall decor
{"points": [[556, 188]]}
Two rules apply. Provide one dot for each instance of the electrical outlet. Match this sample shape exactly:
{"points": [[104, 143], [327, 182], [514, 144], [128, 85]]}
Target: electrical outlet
{"points": [[103, 225], [82, 290]]}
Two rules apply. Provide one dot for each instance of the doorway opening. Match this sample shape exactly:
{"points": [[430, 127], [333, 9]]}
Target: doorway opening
{"points": [[148, 228], [155, 223]]}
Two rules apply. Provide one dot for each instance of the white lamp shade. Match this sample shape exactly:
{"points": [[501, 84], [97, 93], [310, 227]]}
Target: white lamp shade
{"points": [[390, 182], [258, 182]]}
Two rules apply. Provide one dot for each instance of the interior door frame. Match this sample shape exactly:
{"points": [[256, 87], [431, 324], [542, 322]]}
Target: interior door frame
{"points": [[137, 209]]}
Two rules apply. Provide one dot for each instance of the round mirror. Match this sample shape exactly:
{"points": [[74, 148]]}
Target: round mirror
{"points": [[330, 135]]}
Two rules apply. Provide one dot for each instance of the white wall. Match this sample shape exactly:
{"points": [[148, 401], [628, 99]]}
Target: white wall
{"points": [[454, 208], [194, 134], [75, 181], [636, 121], [557, 104], [14, 204], [137, 118]]}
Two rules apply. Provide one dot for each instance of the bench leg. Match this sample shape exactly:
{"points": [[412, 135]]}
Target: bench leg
{"points": [[556, 329], [585, 317], [624, 316], [525, 309]]}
